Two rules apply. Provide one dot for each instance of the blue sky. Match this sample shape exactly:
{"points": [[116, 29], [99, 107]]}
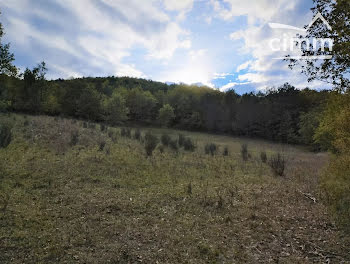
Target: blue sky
{"points": [[220, 43]]}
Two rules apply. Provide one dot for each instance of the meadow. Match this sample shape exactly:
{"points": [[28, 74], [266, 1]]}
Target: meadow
{"points": [[78, 192]]}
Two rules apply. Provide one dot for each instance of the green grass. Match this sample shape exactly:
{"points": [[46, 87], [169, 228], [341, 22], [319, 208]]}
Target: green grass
{"points": [[78, 204]]}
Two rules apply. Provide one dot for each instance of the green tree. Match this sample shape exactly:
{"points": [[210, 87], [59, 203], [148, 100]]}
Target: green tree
{"points": [[116, 111], [88, 104], [6, 57], [335, 70], [166, 115]]}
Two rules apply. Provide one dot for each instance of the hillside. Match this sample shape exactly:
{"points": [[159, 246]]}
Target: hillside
{"points": [[79, 192]]}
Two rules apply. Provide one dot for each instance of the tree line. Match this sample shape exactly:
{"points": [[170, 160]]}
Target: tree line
{"points": [[284, 114]]}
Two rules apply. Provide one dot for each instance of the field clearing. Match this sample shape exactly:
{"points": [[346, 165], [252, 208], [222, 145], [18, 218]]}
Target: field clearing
{"points": [[99, 199]]}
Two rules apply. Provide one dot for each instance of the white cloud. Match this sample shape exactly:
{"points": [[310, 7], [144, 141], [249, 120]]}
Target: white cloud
{"points": [[99, 34], [178, 5], [244, 66]]}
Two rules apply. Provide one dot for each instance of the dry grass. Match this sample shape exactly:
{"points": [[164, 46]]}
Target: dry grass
{"points": [[77, 204]]}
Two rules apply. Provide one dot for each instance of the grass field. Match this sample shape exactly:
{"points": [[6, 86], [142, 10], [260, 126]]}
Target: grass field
{"points": [[71, 193]]}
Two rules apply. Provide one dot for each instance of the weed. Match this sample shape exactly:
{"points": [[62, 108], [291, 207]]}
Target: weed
{"points": [[102, 145], [277, 163], [165, 139], [74, 138], [151, 142], [137, 134], [189, 145], [244, 152], [173, 145], [182, 139], [226, 151], [263, 156], [5, 135], [211, 148]]}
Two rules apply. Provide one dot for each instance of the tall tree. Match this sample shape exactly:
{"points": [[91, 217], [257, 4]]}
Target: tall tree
{"points": [[6, 57], [336, 70]]}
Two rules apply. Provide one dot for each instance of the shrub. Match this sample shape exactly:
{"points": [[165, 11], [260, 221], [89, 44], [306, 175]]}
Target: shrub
{"points": [[74, 138], [5, 135], [226, 151], [263, 156], [112, 135], [165, 139], [128, 132], [277, 163], [102, 145], [137, 134], [151, 142], [211, 149], [244, 152], [173, 145], [123, 132], [181, 140], [189, 145]]}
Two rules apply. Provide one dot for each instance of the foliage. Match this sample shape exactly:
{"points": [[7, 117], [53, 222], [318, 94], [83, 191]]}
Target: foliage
{"points": [[182, 139], [263, 156], [173, 144], [278, 164], [165, 139], [151, 142], [74, 138], [189, 145], [226, 151], [116, 111], [166, 115], [137, 134], [6, 58], [244, 152], [210, 148], [335, 70], [5, 135]]}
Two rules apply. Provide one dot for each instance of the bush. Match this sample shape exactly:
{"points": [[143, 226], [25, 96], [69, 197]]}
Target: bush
{"points": [[181, 140], [137, 134], [165, 139], [211, 149], [173, 145], [189, 145], [277, 163], [151, 142], [125, 132], [5, 135], [263, 156], [128, 133], [336, 185], [226, 151], [74, 138], [102, 145], [244, 152]]}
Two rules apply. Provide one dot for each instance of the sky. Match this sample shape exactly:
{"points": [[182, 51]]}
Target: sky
{"points": [[224, 44]]}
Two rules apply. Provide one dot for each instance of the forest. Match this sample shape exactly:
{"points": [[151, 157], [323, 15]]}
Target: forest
{"points": [[283, 114]]}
